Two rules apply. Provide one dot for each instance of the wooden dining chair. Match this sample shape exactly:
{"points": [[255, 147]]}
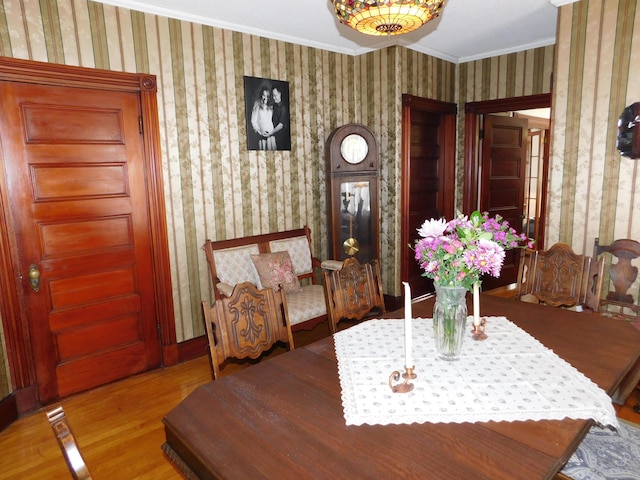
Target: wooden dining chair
{"points": [[68, 445], [559, 277], [246, 324], [622, 274], [353, 292], [620, 301]]}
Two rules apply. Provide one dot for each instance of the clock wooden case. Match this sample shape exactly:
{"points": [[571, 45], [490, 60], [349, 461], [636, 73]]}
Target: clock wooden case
{"points": [[353, 170]]}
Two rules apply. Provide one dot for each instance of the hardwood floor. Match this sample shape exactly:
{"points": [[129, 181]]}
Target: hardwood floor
{"points": [[119, 426]]}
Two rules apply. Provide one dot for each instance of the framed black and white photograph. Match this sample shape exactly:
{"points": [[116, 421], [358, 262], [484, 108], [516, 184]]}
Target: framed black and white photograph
{"points": [[267, 112]]}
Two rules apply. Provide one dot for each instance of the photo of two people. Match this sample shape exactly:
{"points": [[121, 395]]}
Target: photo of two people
{"points": [[267, 113]]}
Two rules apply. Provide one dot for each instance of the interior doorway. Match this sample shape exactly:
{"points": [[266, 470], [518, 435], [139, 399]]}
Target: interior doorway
{"points": [[522, 181], [428, 176], [86, 295], [537, 172]]}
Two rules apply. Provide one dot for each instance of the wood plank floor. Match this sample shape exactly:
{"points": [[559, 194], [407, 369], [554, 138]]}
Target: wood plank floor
{"points": [[119, 426]]}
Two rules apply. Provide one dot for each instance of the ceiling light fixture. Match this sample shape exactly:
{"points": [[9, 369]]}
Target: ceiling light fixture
{"points": [[386, 17]]}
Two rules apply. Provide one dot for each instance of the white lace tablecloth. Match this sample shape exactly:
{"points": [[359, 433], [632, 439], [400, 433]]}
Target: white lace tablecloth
{"points": [[509, 376]]}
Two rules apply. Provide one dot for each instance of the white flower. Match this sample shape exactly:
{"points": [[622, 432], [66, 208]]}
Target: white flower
{"points": [[432, 228]]}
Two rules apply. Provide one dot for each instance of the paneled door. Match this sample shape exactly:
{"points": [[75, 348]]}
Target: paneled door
{"points": [[428, 176], [502, 180], [73, 160], [497, 160]]}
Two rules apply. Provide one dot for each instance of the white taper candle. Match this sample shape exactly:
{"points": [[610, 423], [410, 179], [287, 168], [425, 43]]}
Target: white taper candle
{"points": [[476, 304], [408, 360]]}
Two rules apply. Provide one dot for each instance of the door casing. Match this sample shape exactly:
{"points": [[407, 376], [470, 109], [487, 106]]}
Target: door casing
{"points": [[473, 118], [473, 112], [446, 170], [12, 304]]}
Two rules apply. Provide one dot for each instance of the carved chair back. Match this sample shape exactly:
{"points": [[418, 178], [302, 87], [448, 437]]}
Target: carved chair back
{"points": [[353, 292], [245, 325], [559, 277], [622, 274]]}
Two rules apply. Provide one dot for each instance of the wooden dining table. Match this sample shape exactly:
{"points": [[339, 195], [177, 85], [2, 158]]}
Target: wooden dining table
{"points": [[283, 418]]}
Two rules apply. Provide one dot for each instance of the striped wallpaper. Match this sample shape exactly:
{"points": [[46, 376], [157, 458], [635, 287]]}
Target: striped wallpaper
{"points": [[594, 191], [216, 188], [514, 75]]}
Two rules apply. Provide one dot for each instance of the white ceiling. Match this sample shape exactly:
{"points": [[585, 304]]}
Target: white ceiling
{"points": [[466, 29]]}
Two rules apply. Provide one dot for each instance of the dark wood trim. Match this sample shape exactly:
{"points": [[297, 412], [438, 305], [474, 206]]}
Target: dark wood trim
{"points": [[472, 111], [27, 398], [8, 411], [392, 303], [16, 329], [528, 102], [433, 106], [447, 139], [193, 348], [470, 171], [29, 71], [11, 305], [157, 214], [449, 113]]}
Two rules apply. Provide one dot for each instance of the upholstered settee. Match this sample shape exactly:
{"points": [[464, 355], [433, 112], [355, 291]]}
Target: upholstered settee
{"points": [[261, 259]]}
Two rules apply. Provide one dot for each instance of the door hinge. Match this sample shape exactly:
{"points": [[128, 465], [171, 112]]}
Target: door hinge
{"points": [[140, 123], [481, 134], [159, 331]]}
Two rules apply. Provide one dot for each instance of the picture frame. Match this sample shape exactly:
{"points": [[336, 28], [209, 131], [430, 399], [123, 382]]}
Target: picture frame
{"points": [[267, 114]]}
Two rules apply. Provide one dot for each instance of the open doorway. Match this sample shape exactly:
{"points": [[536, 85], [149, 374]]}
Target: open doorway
{"points": [[536, 172], [428, 176], [506, 159]]}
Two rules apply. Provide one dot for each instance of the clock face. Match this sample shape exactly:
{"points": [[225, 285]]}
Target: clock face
{"points": [[354, 148]]}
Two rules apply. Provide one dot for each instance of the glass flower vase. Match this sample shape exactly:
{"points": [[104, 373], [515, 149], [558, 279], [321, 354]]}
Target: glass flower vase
{"points": [[449, 320]]}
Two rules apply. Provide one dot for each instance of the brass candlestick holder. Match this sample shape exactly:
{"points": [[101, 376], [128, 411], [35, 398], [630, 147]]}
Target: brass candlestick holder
{"points": [[477, 332], [405, 386]]}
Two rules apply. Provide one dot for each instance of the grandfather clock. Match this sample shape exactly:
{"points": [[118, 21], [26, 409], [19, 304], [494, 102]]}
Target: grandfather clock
{"points": [[353, 164]]}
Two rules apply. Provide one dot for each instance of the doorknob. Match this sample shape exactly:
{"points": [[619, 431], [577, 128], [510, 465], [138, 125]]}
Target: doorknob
{"points": [[34, 277]]}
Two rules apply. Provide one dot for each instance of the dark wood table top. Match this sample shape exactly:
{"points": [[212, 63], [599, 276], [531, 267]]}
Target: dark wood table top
{"points": [[283, 417]]}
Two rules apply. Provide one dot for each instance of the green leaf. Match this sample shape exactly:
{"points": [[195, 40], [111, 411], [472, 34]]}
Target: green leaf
{"points": [[476, 218]]}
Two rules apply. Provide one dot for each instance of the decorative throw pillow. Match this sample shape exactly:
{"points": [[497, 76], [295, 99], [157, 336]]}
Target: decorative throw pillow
{"points": [[276, 270]]}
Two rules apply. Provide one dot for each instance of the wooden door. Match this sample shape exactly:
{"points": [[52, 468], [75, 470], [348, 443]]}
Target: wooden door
{"points": [[76, 186], [428, 176], [502, 180]]}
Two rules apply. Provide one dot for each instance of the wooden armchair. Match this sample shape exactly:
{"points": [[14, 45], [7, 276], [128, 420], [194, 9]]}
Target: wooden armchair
{"points": [[68, 445], [353, 291], [622, 274], [559, 277], [246, 324]]}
